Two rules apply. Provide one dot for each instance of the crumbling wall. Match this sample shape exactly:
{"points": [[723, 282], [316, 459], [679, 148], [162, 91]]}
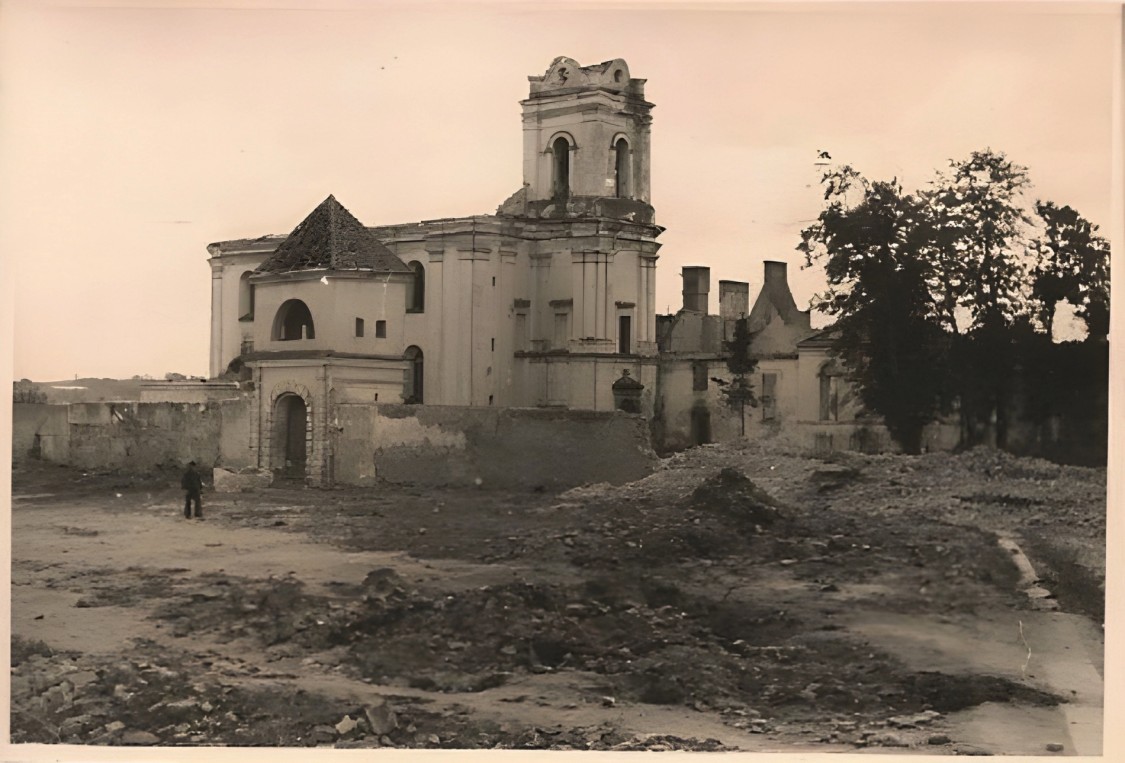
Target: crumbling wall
{"points": [[39, 430], [500, 447], [131, 436], [235, 427], [140, 436]]}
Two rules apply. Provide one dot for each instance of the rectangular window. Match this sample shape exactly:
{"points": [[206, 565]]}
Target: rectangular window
{"points": [[359, 326], [769, 397], [624, 334], [829, 398], [494, 344], [521, 332], [380, 329], [699, 376], [562, 331]]}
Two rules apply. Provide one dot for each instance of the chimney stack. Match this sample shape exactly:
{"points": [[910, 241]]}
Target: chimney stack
{"points": [[734, 300], [697, 288], [776, 273]]}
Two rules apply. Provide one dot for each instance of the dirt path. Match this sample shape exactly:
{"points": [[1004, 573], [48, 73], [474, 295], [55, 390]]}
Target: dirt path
{"points": [[65, 547]]}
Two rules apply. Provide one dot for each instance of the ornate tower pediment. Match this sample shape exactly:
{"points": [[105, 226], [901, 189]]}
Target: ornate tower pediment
{"points": [[586, 142]]}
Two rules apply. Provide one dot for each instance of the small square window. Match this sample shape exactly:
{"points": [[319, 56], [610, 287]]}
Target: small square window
{"points": [[359, 326], [699, 376], [380, 329]]}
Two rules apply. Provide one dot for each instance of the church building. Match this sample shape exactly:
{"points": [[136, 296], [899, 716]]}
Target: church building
{"points": [[544, 303], [548, 303]]}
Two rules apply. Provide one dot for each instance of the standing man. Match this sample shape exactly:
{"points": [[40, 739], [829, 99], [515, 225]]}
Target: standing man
{"points": [[192, 483]]}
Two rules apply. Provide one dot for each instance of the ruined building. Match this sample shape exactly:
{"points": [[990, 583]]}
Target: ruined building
{"points": [[547, 303]]}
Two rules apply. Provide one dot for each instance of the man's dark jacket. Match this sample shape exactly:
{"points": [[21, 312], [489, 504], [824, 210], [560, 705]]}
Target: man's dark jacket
{"points": [[192, 482]]}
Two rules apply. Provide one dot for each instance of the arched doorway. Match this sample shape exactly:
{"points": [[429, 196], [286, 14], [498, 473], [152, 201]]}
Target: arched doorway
{"points": [[413, 393], [290, 433]]}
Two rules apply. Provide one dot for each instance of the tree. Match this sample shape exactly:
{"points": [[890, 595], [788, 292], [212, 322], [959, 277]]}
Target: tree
{"points": [[1071, 263], [739, 393], [979, 228], [889, 326], [946, 294]]}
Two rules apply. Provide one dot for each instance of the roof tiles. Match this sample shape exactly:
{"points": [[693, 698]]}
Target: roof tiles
{"points": [[331, 238]]}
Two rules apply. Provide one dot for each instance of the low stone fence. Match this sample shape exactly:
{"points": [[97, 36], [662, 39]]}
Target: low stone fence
{"points": [[489, 447], [132, 436], [368, 444]]}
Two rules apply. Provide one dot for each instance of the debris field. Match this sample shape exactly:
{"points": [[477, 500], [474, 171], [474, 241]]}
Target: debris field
{"points": [[713, 605]]}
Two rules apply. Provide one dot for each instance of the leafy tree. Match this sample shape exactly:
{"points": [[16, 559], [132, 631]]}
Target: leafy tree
{"points": [[945, 294], [1071, 263], [979, 228], [739, 393], [890, 333]]}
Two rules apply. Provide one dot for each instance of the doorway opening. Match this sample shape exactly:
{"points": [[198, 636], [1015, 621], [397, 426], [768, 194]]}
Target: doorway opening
{"points": [[289, 454]]}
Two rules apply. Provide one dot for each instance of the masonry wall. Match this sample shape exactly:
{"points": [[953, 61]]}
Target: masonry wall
{"points": [[501, 447], [134, 436], [39, 430]]}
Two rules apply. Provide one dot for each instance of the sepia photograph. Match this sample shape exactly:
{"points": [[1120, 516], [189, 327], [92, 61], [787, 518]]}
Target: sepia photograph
{"points": [[620, 377]]}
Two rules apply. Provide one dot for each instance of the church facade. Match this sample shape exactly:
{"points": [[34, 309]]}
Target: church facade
{"points": [[546, 303]]}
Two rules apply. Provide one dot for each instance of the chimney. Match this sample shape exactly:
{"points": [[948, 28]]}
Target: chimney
{"points": [[776, 274], [734, 300], [697, 288]]}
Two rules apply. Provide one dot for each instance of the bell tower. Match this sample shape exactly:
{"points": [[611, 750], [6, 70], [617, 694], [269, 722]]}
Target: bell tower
{"points": [[586, 138]]}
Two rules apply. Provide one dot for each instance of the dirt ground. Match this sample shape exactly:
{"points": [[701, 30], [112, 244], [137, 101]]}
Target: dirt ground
{"points": [[740, 598]]}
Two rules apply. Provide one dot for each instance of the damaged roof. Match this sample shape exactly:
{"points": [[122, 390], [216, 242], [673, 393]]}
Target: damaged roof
{"points": [[331, 238]]}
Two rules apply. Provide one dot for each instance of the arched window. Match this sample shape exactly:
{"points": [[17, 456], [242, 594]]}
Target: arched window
{"points": [[622, 169], [413, 388], [245, 297], [561, 150], [416, 296], [293, 321]]}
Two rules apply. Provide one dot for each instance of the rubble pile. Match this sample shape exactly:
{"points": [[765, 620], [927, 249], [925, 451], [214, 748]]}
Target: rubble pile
{"points": [[720, 584]]}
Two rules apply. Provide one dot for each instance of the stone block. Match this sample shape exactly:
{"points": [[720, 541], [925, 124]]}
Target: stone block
{"points": [[228, 481], [139, 739]]}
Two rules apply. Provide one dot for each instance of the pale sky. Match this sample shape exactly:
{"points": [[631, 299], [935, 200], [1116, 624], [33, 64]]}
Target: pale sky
{"points": [[130, 138]]}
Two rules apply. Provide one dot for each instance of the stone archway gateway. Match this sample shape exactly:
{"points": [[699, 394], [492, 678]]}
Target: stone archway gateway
{"points": [[289, 449]]}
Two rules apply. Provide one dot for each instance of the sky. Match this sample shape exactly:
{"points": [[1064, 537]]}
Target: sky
{"points": [[132, 136]]}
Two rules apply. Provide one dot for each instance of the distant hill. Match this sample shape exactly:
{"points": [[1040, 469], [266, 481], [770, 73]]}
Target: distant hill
{"points": [[91, 390]]}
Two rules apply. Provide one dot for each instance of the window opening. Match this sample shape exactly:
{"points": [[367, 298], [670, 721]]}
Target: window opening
{"points": [[769, 397], [416, 298], [561, 149], [414, 387], [293, 322], [245, 297], [621, 168]]}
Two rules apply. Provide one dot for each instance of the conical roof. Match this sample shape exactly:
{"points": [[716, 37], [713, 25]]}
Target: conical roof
{"points": [[330, 238]]}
